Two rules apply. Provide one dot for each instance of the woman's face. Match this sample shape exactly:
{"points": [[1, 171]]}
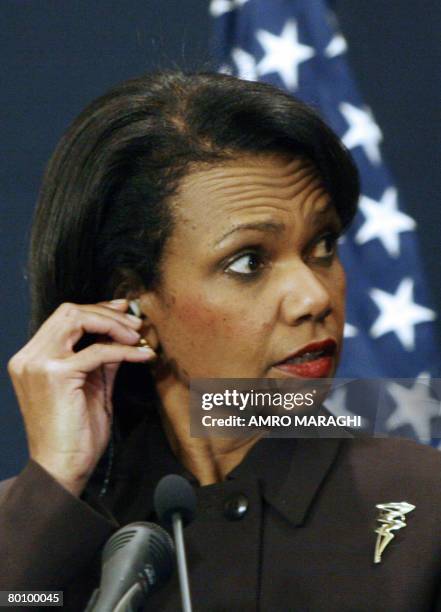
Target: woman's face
{"points": [[251, 273]]}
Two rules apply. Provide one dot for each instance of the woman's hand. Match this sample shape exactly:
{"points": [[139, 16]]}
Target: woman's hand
{"points": [[61, 392]]}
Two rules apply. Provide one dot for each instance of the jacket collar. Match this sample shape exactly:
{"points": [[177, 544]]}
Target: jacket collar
{"points": [[291, 471], [308, 463]]}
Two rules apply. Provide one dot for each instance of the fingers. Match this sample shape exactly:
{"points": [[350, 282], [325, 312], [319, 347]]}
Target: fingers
{"points": [[114, 309], [98, 354], [117, 306], [62, 394], [59, 334]]}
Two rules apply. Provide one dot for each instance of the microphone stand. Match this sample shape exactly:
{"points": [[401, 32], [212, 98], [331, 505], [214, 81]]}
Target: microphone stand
{"points": [[182, 563]]}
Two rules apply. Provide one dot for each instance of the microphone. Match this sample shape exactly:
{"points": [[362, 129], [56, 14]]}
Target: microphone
{"points": [[136, 560], [175, 504]]}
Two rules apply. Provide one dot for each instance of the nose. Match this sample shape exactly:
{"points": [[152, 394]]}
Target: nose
{"points": [[304, 296]]}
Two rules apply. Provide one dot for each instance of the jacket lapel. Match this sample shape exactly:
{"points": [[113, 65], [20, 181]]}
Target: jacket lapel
{"points": [[293, 493]]}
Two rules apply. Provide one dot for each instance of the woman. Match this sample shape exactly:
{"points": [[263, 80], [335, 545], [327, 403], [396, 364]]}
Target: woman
{"points": [[214, 205]]}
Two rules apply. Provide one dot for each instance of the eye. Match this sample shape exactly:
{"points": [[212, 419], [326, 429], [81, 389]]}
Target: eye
{"points": [[326, 246], [246, 264]]}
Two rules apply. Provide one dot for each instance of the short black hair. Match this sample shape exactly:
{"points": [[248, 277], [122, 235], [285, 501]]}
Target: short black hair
{"points": [[102, 218]]}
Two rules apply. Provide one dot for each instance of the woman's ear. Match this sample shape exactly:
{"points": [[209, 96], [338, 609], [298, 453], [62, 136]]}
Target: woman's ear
{"points": [[146, 308], [142, 303]]}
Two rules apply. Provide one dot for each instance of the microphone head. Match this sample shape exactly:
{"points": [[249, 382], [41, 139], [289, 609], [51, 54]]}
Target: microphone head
{"points": [[174, 494], [139, 552]]}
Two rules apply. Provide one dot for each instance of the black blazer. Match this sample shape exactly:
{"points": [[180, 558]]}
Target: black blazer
{"points": [[292, 528]]}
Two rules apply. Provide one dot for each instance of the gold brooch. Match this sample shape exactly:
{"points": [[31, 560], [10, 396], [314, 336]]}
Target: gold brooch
{"points": [[392, 518]]}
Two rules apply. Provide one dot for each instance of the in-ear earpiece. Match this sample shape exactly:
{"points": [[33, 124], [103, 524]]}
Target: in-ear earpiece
{"points": [[135, 308]]}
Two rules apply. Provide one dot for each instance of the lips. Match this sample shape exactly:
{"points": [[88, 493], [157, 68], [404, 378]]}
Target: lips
{"points": [[315, 360], [313, 350]]}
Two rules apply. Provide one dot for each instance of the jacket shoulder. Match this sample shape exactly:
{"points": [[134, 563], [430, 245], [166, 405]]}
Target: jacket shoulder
{"points": [[386, 459], [5, 484]]}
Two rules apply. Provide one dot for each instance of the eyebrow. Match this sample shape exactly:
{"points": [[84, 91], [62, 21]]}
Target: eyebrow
{"points": [[262, 226], [272, 226]]}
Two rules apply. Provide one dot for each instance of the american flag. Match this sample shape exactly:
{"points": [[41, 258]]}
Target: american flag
{"points": [[390, 331]]}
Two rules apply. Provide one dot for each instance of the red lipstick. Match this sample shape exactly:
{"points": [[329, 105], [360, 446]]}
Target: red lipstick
{"points": [[312, 361]]}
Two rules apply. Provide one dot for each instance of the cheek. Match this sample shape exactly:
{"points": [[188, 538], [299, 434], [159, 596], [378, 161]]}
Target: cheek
{"points": [[191, 312], [211, 322], [338, 294]]}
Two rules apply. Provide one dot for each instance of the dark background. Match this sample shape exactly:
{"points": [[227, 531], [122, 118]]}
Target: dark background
{"points": [[57, 55]]}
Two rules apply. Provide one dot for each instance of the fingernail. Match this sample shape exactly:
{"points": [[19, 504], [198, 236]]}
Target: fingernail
{"points": [[133, 318], [119, 301], [146, 349]]}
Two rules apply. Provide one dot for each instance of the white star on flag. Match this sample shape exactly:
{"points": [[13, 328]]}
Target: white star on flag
{"points": [[414, 406], [363, 131], [337, 46], [350, 331], [336, 404], [246, 64], [219, 7], [399, 313], [283, 54], [225, 69], [384, 221]]}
